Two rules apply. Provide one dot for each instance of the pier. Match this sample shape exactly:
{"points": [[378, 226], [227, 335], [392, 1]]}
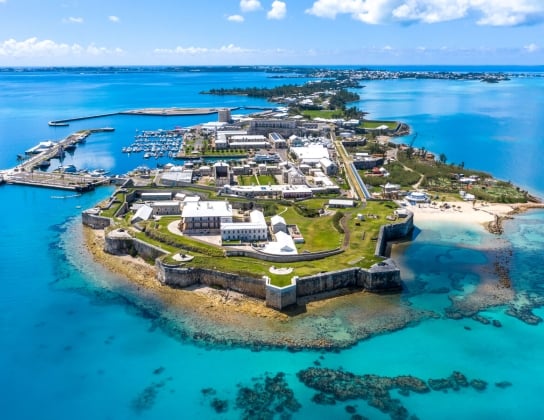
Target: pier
{"points": [[27, 173]]}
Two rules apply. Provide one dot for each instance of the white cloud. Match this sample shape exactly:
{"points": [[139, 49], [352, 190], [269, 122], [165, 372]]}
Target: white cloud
{"points": [[492, 12], [235, 18], [278, 10], [72, 19], [531, 48], [225, 49], [113, 19], [250, 5], [32, 47]]}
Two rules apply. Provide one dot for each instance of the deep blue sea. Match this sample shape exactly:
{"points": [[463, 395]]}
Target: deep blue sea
{"points": [[76, 342]]}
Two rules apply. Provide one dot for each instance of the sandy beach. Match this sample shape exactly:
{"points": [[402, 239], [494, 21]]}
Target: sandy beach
{"points": [[467, 212]]}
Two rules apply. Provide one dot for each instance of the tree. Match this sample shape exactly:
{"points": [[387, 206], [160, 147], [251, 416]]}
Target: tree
{"points": [[443, 158]]}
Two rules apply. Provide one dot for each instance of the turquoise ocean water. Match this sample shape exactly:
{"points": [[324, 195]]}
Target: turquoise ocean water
{"points": [[79, 343]]}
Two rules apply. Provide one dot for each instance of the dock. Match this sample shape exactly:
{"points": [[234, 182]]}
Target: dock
{"points": [[28, 173], [61, 181]]}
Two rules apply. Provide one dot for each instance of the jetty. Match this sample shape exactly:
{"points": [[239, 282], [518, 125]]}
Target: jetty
{"points": [[28, 173]]}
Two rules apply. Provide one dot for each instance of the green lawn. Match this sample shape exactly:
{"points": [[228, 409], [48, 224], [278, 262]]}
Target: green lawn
{"points": [[391, 125], [322, 113], [246, 180], [266, 180]]}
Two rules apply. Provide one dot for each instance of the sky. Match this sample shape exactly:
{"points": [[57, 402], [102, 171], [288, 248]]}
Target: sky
{"points": [[271, 32]]}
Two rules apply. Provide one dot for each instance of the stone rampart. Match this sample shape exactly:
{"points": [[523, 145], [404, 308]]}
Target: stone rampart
{"points": [[119, 242], [146, 250], [281, 297], [92, 219], [183, 277], [383, 276], [326, 282], [393, 232]]}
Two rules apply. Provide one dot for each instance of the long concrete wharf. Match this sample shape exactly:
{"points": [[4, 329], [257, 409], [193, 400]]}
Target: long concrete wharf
{"points": [[57, 180], [27, 173]]}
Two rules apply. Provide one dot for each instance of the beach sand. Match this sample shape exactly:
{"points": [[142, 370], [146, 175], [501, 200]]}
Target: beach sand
{"points": [[467, 212]]}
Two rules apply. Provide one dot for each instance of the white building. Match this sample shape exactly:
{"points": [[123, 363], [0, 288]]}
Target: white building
{"points": [[254, 230], [338, 203], [143, 213], [283, 245], [417, 198], [205, 215], [311, 154], [283, 191]]}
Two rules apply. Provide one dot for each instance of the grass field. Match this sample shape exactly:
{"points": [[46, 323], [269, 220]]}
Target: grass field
{"points": [[322, 113], [391, 125]]}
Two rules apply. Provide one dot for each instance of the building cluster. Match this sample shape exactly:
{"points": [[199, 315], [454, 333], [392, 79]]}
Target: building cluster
{"points": [[219, 218]]}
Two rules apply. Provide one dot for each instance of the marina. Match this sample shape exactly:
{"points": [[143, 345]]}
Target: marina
{"points": [[157, 143]]}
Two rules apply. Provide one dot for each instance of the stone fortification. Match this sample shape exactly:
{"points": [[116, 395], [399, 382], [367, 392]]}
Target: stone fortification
{"points": [[307, 256], [326, 282], [177, 276], [383, 276], [92, 218], [120, 242], [392, 232], [281, 297]]}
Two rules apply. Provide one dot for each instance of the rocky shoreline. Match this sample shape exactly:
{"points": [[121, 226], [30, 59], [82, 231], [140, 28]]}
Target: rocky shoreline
{"points": [[206, 315], [213, 316]]}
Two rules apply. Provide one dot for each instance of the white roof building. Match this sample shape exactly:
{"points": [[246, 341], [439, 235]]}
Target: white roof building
{"points": [[254, 230], [311, 154], [143, 213], [203, 209], [284, 245], [341, 203]]}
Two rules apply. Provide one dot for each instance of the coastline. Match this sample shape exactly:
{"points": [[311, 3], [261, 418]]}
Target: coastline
{"points": [[220, 317], [208, 315]]}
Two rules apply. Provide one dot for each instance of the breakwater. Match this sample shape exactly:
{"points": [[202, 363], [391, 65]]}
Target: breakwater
{"points": [[145, 111]]}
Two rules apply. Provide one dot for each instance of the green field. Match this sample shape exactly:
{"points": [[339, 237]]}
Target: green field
{"points": [[371, 125], [322, 113]]}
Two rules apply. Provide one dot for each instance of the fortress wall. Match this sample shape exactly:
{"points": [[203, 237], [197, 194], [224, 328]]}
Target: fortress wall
{"points": [[94, 221], [180, 276], [281, 297], [381, 277], [393, 232], [326, 282]]}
